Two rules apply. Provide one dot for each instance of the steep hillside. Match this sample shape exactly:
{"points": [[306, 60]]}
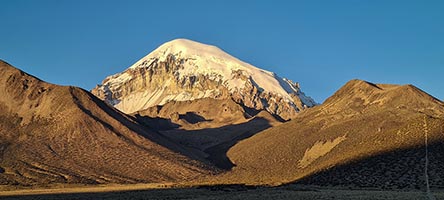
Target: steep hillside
{"points": [[59, 134]]}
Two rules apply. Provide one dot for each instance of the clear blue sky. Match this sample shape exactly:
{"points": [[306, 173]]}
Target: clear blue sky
{"points": [[321, 44]]}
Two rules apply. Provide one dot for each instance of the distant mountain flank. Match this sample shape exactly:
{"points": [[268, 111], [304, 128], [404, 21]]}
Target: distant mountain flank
{"points": [[182, 70]]}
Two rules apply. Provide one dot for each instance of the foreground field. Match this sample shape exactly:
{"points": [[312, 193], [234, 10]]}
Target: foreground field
{"points": [[216, 192]]}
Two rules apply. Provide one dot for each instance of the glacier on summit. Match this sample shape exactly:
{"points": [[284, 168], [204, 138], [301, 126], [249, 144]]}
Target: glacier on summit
{"points": [[182, 70]]}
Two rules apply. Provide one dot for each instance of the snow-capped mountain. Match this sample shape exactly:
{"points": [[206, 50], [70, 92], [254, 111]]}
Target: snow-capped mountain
{"points": [[182, 70]]}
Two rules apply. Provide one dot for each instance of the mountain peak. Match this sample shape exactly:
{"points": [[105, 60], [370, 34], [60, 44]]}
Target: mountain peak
{"points": [[191, 47], [182, 70], [185, 48], [216, 59], [189, 44]]}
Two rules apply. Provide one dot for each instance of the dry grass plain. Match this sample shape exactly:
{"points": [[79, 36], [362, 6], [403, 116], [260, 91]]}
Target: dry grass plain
{"points": [[149, 191]]}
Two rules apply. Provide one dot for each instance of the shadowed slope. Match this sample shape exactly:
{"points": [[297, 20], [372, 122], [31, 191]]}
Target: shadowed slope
{"points": [[359, 121], [58, 134]]}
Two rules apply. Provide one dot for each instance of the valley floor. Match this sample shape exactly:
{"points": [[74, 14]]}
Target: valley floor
{"points": [[143, 191]]}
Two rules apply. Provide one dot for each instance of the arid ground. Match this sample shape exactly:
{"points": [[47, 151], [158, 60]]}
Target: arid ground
{"points": [[221, 192]]}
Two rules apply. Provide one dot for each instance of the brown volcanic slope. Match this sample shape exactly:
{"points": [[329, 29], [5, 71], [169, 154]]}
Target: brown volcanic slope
{"points": [[61, 134], [366, 135]]}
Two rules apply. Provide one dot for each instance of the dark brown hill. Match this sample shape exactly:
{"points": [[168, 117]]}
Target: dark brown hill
{"points": [[363, 132], [62, 134]]}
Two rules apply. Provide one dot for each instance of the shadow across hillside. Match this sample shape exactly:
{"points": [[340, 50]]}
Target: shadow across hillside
{"points": [[218, 153], [399, 169], [126, 120], [215, 142], [193, 118], [156, 123]]}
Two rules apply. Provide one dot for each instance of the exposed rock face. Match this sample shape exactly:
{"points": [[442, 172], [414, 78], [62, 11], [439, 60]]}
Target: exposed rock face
{"points": [[183, 70]]}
